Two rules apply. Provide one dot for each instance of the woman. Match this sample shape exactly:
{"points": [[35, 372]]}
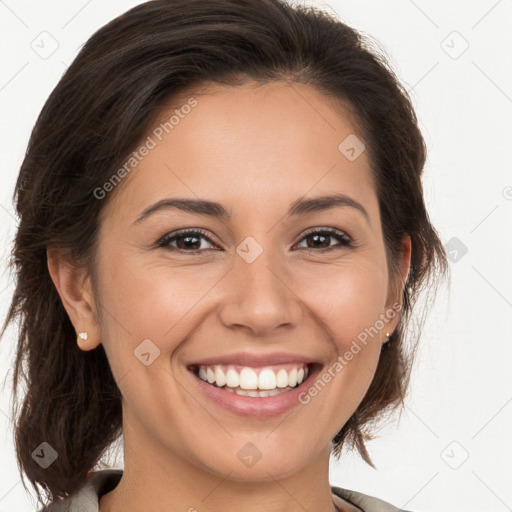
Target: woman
{"points": [[222, 235]]}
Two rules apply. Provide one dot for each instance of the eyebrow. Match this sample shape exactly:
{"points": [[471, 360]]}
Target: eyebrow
{"points": [[298, 208]]}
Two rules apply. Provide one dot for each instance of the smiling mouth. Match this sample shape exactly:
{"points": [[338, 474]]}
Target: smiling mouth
{"points": [[257, 382]]}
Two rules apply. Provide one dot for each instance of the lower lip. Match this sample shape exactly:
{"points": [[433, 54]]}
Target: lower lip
{"points": [[256, 407]]}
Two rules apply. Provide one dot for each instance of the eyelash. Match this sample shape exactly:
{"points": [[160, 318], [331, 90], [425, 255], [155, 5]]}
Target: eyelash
{"points": [[345, 240]]}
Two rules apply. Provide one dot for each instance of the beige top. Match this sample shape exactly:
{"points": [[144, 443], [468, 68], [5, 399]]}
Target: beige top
{"points": [[104, 480]]}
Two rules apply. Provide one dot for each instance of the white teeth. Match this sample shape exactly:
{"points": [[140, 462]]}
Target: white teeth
{"points": [[210, 375], [292, 377], [268, 381], [282, 378], [260, 394], [232, 378], [220, 376], [248, 379]]}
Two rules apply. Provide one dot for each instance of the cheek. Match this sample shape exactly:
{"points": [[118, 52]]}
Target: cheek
{"points": [[150, 312], [150, 302], [348, 299], [156, 303], [347, 302]]}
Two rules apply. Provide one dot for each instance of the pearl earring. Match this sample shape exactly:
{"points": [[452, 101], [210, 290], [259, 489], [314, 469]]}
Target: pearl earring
{"points": [[82, 336]]}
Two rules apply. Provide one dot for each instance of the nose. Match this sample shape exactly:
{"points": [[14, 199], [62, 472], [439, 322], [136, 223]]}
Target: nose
{"points": [[258, 297]]}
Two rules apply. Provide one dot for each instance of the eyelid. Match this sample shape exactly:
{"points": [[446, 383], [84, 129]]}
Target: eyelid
{"points": [[326, 229], [184, 231], [347, 240]]}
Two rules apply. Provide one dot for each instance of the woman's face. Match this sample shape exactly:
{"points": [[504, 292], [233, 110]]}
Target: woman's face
{"points": [[253, 284]]}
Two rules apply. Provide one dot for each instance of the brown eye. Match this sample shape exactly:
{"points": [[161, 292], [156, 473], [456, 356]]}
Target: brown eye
{"points": [[320, 240], [186, 241]]}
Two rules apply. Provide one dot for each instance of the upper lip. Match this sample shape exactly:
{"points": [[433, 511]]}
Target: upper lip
{"points": [[252, 359]]}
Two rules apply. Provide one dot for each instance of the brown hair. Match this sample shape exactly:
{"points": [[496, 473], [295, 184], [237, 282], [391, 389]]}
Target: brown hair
{"points": [[100, 109]]}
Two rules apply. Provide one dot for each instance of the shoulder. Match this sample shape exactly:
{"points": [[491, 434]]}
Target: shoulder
{"points": [[99, 482], [364, 502]]}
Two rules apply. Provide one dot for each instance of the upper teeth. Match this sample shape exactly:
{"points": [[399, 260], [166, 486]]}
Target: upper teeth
{"points": [[248, 378]]}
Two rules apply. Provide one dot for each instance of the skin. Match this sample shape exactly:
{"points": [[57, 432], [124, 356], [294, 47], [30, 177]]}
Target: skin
{"points": [[255, 150]]}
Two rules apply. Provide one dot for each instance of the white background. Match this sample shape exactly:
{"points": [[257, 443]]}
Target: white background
{"points": [[460, 401]]}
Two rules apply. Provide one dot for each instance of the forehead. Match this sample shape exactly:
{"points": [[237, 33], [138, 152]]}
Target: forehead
{"points": [[254, 144]]}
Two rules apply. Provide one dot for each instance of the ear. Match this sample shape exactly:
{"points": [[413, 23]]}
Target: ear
{"points": [[397, 285], [75, 291]]}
